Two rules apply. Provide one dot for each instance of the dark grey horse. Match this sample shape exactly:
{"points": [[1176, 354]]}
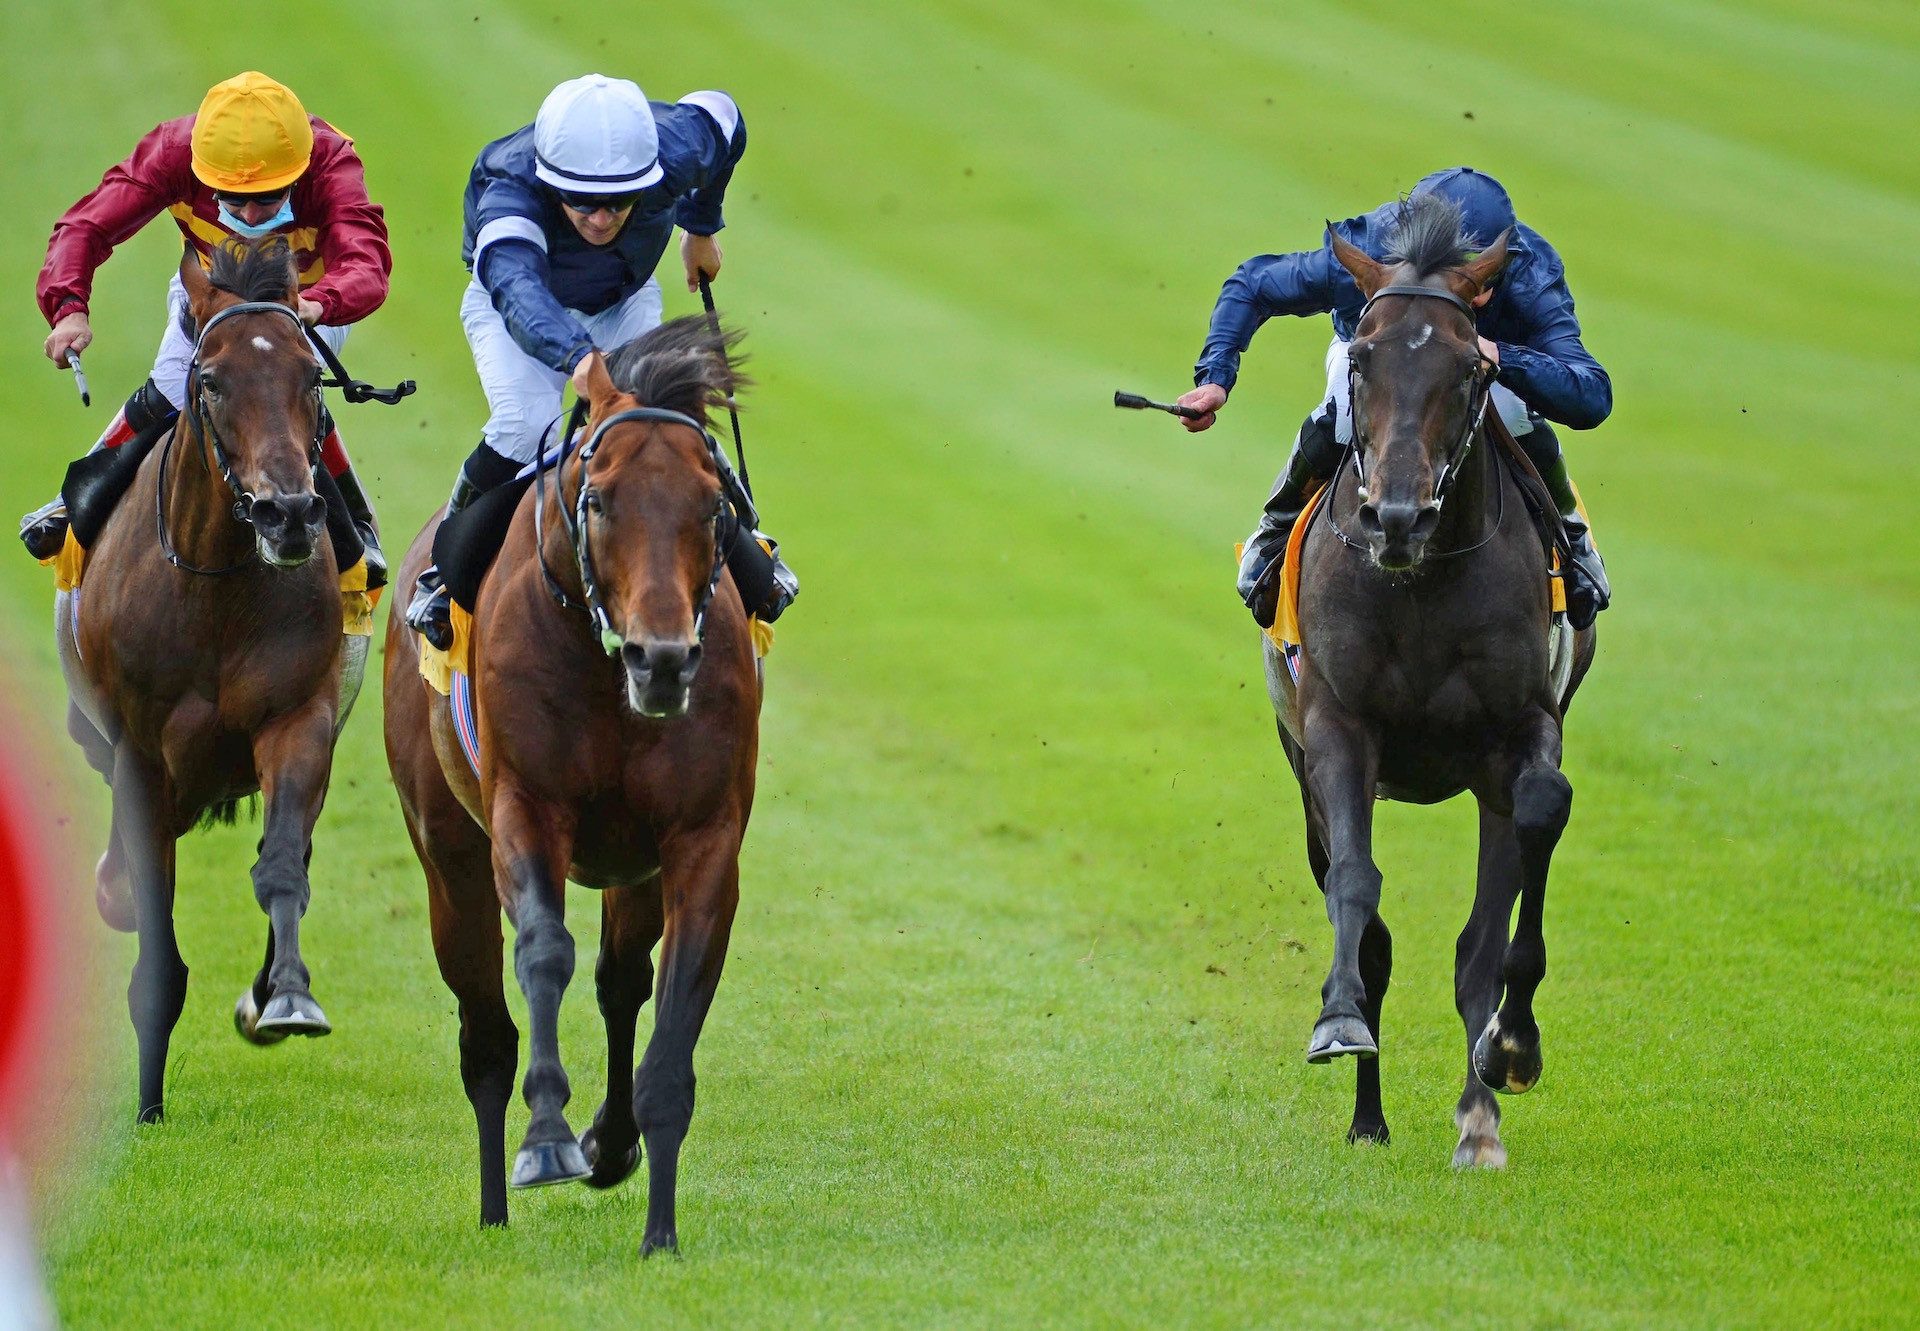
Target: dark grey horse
{"points": [[1431, 665]]}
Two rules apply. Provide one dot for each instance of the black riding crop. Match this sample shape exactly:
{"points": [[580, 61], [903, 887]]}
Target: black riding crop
{"points": [[739, 449], [354, 390], [1134, 402]]}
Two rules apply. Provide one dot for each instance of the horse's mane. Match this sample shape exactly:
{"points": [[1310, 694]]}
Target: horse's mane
{"points": [[1430, 236], [258, 270], [684, 365]]}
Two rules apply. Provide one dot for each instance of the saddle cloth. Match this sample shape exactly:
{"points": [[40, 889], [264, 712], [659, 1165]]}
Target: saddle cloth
{"points": [[357, 600], [1285, 633]]}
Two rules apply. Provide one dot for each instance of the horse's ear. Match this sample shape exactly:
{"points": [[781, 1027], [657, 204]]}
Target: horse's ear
{"points": [[1368, 274], [199, 290], [1486, 265], [600, 389]]}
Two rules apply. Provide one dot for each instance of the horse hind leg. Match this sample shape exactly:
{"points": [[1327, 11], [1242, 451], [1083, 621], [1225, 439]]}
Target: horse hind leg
{"points": [[623, 977], [158, 989], [1507, 1054]]}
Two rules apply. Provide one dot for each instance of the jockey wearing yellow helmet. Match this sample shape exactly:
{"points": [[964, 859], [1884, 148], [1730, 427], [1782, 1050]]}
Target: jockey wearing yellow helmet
{"points": [[249, 163]]}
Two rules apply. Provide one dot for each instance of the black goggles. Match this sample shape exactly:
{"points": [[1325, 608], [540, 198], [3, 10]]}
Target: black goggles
{"points": [[587, 203], [242, 200]]}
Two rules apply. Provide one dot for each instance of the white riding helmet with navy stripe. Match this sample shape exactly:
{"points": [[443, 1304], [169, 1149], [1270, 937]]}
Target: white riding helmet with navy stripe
{"points": [[595, 135]]}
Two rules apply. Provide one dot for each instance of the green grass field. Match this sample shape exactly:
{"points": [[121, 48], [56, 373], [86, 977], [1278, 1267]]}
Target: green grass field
{"points": [[1028, 952]]}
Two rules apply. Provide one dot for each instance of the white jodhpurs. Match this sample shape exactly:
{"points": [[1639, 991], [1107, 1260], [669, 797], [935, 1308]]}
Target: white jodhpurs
{"points": [[523, 395]]}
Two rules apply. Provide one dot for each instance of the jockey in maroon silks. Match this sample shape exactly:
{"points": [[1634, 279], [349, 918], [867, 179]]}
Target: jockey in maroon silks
{"points": [[249, 163]]}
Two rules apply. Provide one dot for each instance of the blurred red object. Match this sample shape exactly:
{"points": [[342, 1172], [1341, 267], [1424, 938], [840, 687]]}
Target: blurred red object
{"points": [[28, 926]]}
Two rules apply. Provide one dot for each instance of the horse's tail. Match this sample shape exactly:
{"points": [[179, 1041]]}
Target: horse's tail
{"points": [[225, 813]]}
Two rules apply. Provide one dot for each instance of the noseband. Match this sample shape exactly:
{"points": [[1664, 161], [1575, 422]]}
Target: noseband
{"points": [[725, 524], [1479, 394], [203, 425]]}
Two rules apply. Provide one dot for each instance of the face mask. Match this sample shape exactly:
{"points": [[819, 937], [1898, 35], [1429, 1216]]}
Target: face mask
{"points": [[255, 230]]}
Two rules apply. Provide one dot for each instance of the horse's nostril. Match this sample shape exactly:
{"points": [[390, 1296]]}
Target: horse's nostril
{"points": [[1370, 519], [1424, 524], [634, 657]]}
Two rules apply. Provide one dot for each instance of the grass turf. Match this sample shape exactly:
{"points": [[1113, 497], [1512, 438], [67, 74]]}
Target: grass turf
{"points": [[1028, 952]]}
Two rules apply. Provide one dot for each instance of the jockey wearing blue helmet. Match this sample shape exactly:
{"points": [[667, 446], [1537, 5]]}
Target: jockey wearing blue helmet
{"points": [[1527, 327]]}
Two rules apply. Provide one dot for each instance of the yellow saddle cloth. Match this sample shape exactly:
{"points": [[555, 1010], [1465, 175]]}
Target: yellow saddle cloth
{"points": [[1285, 633], [357, 600], [439, 667]]}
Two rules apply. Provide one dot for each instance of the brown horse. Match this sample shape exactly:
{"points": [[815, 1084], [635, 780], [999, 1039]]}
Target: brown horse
{"points": [[1426, 669], [617, 704], [204, 656]]}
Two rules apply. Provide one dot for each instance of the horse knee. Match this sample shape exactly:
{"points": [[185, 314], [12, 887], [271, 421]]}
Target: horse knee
{"points": [[663, 1102], [543, 954], [488, 1060], [1353, 884], [1542, 802]]}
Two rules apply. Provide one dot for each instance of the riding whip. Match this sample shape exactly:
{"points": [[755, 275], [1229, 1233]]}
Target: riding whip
{"points": [[80, 378], [1134, 402], [739, 449]]}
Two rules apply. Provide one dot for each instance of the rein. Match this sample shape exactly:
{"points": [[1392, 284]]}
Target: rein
{"points": [[203, 426], [724, 533]]}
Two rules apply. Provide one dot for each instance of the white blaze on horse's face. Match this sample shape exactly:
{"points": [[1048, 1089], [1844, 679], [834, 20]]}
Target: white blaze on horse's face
{"points": [[1426, 331], [263, 344]]}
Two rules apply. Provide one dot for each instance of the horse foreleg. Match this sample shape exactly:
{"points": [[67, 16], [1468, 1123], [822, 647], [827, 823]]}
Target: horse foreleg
{"points": [[629, 927], [159, 986], [701, 888], [293, 755], [1342, 763], [1476, 983], [1507, 1054], [532, 847], [1376, 968]]}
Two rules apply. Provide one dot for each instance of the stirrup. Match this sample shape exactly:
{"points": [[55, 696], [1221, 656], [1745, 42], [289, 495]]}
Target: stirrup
{"points": [[44, 530], [431, 613]]}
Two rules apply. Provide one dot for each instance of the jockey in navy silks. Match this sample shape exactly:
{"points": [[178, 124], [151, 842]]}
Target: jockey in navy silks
{"points": [[566, 220], [1527, 327]]}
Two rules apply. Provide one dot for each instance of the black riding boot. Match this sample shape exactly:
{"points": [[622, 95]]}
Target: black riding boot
{"points": [[143, 419], [766, 585], [1588, 592], [431, 612], [360, 510], [1315, 457]]}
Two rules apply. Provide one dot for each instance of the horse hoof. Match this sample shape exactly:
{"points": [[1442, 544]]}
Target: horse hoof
{"points": [[543, 1164], [1335, 1036], [616, 1169], [1374, 1134], [1504, 1062], [246, 1020], [113, 897], [151, 1114], [669, 1244], [1479, 1152], [291, 1013]]}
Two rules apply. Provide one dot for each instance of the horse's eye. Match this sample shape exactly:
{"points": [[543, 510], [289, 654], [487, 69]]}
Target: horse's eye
{"points": [[593, 501], [210, 385]]}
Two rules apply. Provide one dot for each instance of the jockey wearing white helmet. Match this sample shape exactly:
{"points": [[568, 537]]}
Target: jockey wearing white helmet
{"points": [[566, 220]]}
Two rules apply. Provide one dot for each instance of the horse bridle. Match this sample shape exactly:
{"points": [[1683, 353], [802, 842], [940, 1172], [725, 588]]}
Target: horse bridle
{"points": [[1481, 393], [203, 425], [725, 523]]}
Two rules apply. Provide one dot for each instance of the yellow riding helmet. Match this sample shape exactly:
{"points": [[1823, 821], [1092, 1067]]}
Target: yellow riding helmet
{"points": [[251, 136]]}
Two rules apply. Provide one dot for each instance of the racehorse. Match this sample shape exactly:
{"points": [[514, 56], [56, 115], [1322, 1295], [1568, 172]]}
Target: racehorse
{"points": [[1425, 614], [616, 713], [204, 658]]}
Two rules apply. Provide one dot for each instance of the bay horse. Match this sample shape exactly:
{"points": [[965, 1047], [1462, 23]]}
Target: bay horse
{"points": [[1424, 668], [616, 712], [204, 655]]}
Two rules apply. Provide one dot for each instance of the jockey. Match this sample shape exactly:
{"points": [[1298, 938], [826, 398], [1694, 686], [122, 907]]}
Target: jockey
{"points": [[566, 220], [250, 163], [1527, 328]]}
